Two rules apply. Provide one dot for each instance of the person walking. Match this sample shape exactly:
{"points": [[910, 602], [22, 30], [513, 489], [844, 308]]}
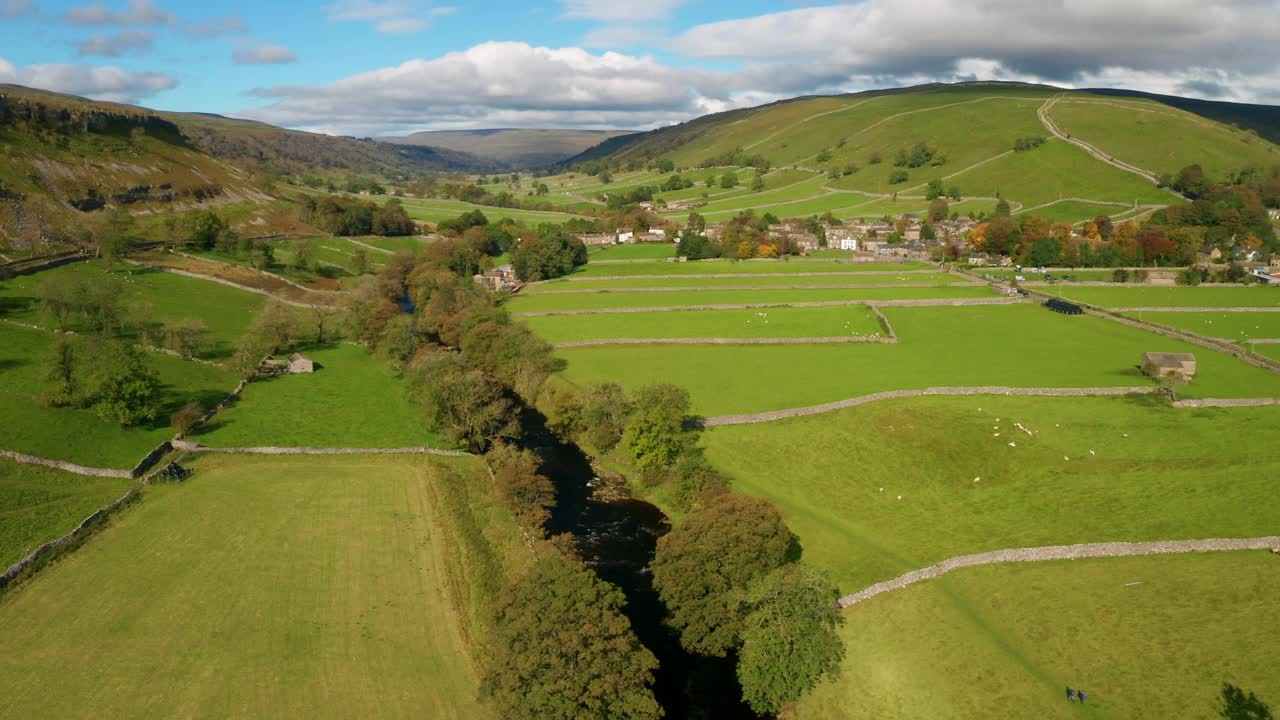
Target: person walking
{"points": [[1082, 697], [1071, 694]]}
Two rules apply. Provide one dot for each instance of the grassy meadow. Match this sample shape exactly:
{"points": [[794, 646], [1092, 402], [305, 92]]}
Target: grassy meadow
{"points": [[80, 436], [546, 302], [352, 400], [742, 267], [151, 296], [1235, 326], [39, 504], [1015, 345], [1093, 470], [1147, 638], [754, 281], [635, 251], [845, 321], [270, 587], [1131, 296]]}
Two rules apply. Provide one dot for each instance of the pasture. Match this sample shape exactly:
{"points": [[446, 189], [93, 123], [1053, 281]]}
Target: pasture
{"points": [[1148, 638], [851, 320], [1092, 470], [330, 587], [1236, 327], [1075, 212], [744, 267], [79, 435], [39, 504], [546, 302], [753, 281], [1134, 296], [151, 297], [1020, 345], [635, 251], [352, 400]]}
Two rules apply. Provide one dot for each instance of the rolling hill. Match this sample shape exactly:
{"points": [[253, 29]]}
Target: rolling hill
{"points": [[512, 148], [255, 144], [1088, 147], [66, 159]]}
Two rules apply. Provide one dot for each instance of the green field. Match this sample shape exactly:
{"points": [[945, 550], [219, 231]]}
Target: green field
{"points": [[1147, 480], [1074, 212], [1130, 296], [1160, 139], [352, 400], [1060, 170], [80, 436], [635, 251], [151, 296], [435, 210], [38, 504], [754, 281], [1224, 325], [745, 267], [1271, 351], [686, 298], [270, 587], [764, 323], [1015, 345], [1148, 638], [411, 245]]}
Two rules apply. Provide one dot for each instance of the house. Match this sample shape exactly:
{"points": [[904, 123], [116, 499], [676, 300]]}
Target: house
{"points": [[597, 239], [658, 233], [806, 242], [1209, 253], [1274, 214], [1169, 366], [841, 238], [499, 279], [626, 235]]}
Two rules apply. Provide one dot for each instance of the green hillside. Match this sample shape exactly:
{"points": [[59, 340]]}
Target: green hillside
{"points": [[1100, 153], [509, 147], [67, 159]]}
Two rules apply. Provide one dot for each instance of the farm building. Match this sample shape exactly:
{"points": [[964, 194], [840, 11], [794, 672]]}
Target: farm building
{"points": [[296, 363], [1173, 366]]}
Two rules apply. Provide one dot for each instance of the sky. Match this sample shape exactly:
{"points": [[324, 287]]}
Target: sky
{"points": [[391, 67]]}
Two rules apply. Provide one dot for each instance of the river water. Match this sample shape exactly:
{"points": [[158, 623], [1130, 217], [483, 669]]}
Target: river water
{"points": [[616, 535]]}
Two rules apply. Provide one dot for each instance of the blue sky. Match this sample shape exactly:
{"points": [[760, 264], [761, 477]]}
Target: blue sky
{"points": [[372, 67]]}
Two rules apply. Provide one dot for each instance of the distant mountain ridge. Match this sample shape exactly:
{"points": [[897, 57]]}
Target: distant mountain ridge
{"points": [[513, 148]]}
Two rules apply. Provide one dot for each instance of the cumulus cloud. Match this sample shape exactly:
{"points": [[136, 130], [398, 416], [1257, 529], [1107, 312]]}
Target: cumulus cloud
{"points": [[117, 44], [138, 12], [16, 8], [263, 54], [214, 27], [388, 16], [99, 83], [497, 83], [614, 11], [1058, 42]]}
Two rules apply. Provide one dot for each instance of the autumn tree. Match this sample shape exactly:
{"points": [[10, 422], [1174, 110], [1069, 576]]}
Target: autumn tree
{"points": [[701, 568], [470, 406], [789, 639], [526, 493], [564, 650], [938, 209]]}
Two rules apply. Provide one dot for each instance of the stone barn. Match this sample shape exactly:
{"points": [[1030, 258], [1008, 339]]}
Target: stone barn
{"points": [[299, 363], [1169, 366]]}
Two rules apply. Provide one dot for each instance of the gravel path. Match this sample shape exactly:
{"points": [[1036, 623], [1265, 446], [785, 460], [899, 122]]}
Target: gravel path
{"points": [[896, 394], [1061, 552]]}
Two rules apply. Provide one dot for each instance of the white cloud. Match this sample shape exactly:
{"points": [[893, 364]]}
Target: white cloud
{"points": [[213, 27], [117, 44], [264, 54], [388, 16], [497, 83], [16, 8], [618, 11], [99, 83], [139, 12]]}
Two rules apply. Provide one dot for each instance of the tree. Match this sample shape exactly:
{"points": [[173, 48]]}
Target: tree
{"points": [[1239, 705], [550, 254], [702, 566], [470, 406], [1045, 252], [938, 209], [527, 494], [789, 639], [934, 190], [696, 223], [604, 415], [695, 246], [185, 420], [656, 434], [61, 371], [897, 177], [359, 261], [122, 388], [274, 325], [115, 239], [564, 650], [205, 229], [729, 180], [320, 317], [1002, 207]]}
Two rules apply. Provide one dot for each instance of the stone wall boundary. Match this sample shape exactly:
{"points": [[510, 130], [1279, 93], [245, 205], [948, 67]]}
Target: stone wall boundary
{"points": [[195, 447], [1226, 402], [1061, 552], [64, 466], [31, 266], [80, 531]]}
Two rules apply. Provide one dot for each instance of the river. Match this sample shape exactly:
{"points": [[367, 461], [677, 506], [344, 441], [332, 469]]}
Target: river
{"points": [[616, 535]]}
